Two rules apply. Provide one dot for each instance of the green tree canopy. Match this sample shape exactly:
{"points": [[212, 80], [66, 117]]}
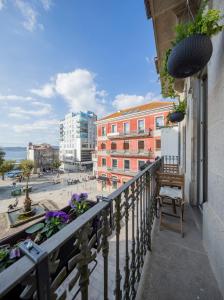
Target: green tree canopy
{"points": [[6, 166], [56, 164], [2, 155]]}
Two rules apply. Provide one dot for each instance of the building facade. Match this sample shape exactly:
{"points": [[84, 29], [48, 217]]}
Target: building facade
{"points": [[77, 140], [43, 155], [202, 140], [128, 139]]}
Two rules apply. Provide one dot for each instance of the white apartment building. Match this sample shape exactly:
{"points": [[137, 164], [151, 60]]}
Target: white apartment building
{"points": [[77, 140]]}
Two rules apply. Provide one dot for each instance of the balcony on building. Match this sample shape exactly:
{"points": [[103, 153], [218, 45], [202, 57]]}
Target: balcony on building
{"points": [[130, 134]]}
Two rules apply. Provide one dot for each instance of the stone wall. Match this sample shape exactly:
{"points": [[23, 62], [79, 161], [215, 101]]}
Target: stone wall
{"points": [[213, 210]]}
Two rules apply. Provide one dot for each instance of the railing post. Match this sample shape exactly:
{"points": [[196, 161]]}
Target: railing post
{"points": [[141, 223], [133, 262], [105, 250], [40, 258], [127, 258], [138, 187], [85, 255], [118, 293]]}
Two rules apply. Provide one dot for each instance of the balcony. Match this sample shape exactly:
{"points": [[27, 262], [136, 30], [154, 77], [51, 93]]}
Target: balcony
{"points": [[123, 256], [120, 171], [130, 153], [130, 134]]}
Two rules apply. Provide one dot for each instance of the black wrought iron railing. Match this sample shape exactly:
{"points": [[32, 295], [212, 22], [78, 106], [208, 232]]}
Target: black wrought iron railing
{"points": [[98, 255]]}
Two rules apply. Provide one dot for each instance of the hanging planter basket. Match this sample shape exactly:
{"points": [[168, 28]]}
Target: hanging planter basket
{"points": [[189, 56], [176, 117]]}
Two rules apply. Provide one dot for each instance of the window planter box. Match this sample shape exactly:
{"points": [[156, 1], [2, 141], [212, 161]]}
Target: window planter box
{"points": [[66, 252]]}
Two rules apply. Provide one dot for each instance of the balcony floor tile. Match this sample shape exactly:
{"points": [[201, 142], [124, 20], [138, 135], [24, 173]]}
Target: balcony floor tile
{"points": [[178, 268]]}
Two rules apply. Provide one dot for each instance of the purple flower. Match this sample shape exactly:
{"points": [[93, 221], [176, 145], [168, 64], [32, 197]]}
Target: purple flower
{"points": [[15, 252], [72, 203], [75, 197], [58, 214], [83, 196]]}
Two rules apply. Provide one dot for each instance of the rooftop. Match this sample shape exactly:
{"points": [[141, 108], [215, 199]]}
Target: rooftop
{"points": [[139, 108]]}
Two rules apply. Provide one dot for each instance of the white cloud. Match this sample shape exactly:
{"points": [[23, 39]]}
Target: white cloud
{"points": [[79, 90], [2, 4], [14, 98], [46, 4], [123, 101], [29, 14], [19, 112], [46, 91], [41, 125]]}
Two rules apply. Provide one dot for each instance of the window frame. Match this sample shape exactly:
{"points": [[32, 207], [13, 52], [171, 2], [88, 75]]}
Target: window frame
{"points": [[156, 117], [113, 126], [141, 130], [125, 160], [127, 122], [156, 148], [104, 128], [114, 159], [104, 159]]}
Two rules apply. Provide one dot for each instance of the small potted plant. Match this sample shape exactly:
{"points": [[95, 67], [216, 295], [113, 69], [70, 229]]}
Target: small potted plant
{"points": [[192, 48], [178, 112]]}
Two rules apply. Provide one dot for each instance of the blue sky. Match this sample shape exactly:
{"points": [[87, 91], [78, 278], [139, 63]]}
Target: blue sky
{"points": [[59, 56]]}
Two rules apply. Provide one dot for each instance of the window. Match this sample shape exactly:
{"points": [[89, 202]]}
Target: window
{"points": [[140, 163], [113, 146], [126, 128], [104, 162], [141, 126], [114, 182], [114, 163], [103, 131], [103, 146], [141, 146], [126, 164], [159, 122], [113, 128], [126, 146], [158, 144]]}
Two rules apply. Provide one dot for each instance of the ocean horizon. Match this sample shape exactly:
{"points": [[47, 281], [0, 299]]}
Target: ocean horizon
{"points": [[14, 153]]}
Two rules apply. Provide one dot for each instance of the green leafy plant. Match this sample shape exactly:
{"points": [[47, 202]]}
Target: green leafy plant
{"points": [[78, 203], [205, 22], [8, 256], [54, 221]]}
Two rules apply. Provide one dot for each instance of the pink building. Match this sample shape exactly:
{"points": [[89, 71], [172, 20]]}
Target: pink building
{"points": [[128, 139]]}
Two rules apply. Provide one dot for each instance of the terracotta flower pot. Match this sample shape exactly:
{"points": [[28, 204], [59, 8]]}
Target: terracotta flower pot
{"points": [[189, 56], [176, 117]]}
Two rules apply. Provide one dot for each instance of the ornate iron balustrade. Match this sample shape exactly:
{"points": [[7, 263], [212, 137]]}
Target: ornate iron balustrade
{"points": [[130, 134], [130, 153], [103, 249]]}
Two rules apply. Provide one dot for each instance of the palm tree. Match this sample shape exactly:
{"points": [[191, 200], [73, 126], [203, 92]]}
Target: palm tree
{"points": [[26, 167]]}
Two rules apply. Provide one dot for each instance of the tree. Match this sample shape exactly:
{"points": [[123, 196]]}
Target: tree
{"points": [[2, 155], [56, 164], [6, 166], [26, 167]]}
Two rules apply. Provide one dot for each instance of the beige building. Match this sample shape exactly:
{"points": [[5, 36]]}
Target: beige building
{"points": [[42, 155], [202, 139]]}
